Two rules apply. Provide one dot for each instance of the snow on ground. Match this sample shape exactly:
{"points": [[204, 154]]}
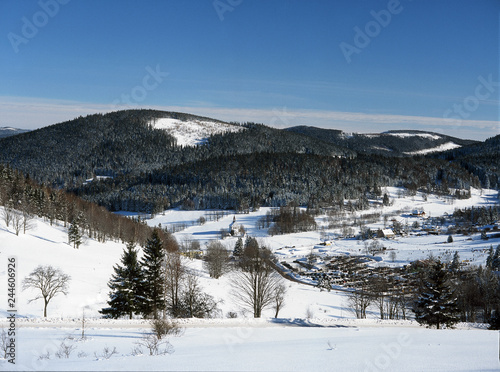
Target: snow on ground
{"points": [[315, 330], [91, 266], [407, 135], [444, 147], [195, 132], [279, 348]]}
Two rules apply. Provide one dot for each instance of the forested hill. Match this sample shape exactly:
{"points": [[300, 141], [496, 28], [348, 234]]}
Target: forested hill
{"points": [[126, 143], [132, 160], [391, 143], [68, 153], [481, 159]]}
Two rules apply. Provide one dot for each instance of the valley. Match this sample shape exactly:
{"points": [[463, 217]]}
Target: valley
{"points": [[338, 222]]}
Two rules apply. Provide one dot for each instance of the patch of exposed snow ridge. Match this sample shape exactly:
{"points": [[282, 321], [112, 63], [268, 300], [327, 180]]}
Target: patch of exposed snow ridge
{"points": [[406, 135], [194, 132], [443, 147]]}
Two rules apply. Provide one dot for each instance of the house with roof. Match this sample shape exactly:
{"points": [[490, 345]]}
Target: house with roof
{"points": [[385, 233], [235, 229]]}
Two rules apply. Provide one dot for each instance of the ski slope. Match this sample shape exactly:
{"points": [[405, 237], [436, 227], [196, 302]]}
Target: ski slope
{"points": [[194, 132]]}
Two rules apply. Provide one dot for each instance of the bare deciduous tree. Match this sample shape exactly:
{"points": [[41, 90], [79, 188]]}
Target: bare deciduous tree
{"points": [[256, 282], [49, 281], [358, 301], [7, 213], [194, 302], [279, 298], [17, 221], [174, 274], [216, 259], [28, 219]]}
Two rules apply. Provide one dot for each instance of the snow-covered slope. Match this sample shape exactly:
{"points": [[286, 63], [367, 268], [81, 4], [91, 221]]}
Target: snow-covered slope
{"points": [[193, 132], [391, 143], [315, 331], [91, 266], [409, 135], [444, 147]]}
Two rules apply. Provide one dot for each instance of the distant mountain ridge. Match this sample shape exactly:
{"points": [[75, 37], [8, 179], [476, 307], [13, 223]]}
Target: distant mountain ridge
{"points": [[149, 160], [9, 131], [390, 143]]}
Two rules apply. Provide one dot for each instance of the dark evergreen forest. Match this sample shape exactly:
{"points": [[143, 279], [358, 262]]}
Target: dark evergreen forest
{"points": [[387, 143], [258, 166]]}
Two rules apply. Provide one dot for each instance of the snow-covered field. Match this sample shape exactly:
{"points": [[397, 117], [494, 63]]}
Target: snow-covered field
{"points": [[315, 330], [270, 348], [191, 133]]}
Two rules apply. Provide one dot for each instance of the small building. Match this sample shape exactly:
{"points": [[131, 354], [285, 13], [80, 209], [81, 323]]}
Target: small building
{"points": [[235, 228], [385, 233], [418, 212]]}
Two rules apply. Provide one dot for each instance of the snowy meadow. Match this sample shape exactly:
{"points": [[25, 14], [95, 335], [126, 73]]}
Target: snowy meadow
{"points": [[315, 331]]}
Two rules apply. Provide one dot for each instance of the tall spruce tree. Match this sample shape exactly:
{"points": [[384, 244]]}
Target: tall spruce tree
{"points": [[495, 262], [74, 235], [455, 263], [154, 277], [238, 247], [436, 303], [489, 259], [125, 285]]}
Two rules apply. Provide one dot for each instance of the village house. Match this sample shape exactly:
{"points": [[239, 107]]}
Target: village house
{"points": [[236, 229], [385, 233]]}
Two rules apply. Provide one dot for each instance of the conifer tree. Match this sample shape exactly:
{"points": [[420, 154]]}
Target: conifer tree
{"points": [[386, 200], [238, 247], [125, 285], [153, 273], [455, 264], [489, 259], [74, 235], [436, 304], [495, 262]]}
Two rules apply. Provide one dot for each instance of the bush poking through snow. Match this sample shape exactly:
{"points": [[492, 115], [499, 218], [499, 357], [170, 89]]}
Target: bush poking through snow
{"points": [[309, 313], [45, 356], [106, 353], [65, 350], [155, 345], [331, 346], [165, 327], [154, 341]]}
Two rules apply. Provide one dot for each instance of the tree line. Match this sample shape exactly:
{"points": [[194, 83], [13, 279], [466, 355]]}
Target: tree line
{"points": [[22, 199], [118, 160], [437, 293], [242, 182]]}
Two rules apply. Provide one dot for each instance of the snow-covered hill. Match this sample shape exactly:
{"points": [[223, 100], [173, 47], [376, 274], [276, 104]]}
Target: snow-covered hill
{"points": [[193, 132], [315, 330], [391, 143]]}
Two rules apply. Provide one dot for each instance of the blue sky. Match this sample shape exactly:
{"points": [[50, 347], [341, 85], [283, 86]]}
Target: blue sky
{"points": [[363, 66]]}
